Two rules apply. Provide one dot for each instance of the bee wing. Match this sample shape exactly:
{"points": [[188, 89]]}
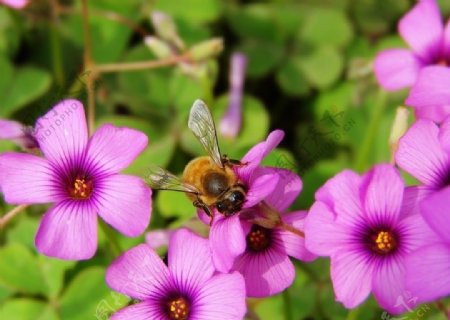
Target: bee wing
{"points": [[202, 125], [158, 178]]}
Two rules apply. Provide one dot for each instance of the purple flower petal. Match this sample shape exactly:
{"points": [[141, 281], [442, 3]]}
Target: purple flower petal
{"points": [[227, 241], [428, 272], [286, 191], [444, 135], [396, 68], [322, 234], [261, 184], [430, 95], [341, 194], [112, 149], [16, 4], [146, 310], [422, 29], [383, 194], [62, 132], [293, 244], [351, 274], [190, 261], [68, 231], [447, 39], [436, 212], [158, 238], [26, 179], [420, 153], [256, 154], [221, 298], [412, 196], [124, 202], [265, 273], [139, 273], [11, 129], [415, 233], [389, 286]]}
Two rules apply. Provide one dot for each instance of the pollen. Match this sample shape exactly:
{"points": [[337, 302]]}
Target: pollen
{"points": [[178, 309], [383, 242], [259, 238], [81, 189]]}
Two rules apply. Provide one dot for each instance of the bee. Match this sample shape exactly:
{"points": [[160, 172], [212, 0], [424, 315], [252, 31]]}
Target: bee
{"points": [[209, 181]]}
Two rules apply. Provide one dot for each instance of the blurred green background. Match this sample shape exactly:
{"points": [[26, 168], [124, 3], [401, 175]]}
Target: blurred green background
{"points": [[309, 73]]}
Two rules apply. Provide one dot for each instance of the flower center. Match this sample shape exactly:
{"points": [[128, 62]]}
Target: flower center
{"points": [[383, 242], [81, 188], [178, 309], [259, 238]]}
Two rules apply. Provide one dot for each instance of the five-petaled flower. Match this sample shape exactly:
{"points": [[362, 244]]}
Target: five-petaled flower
{"points": [[187, 289], [265, 262], [362, 225], [80, 177]]}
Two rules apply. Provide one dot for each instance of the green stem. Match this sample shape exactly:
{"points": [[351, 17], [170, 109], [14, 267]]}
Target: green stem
{"points": [[372, 131], [287, 305], [114, 244], [353, 314]]}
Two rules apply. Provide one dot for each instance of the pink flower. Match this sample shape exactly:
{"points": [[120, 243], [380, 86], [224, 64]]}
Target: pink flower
{"points": [[18, 133], [187, 289], [15, 4], [360, 223], [260, 182], [80, 177], [430, 96], [265, 263], [423, 31], [230, 123]]}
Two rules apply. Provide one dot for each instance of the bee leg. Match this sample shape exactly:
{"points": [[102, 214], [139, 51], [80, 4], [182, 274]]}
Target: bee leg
{"points": [[232, 162], [199, 204]]}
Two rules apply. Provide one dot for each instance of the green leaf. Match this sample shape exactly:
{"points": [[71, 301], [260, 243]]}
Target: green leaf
{"points": [[322, 67], [19, 270], [27, 309], [53, 271], [291, 79], [25, 85], [175, 204], [327, 27], [255, 21], [10, 32], [262, 57], [88, 297], [194, 11], [23, 231]]}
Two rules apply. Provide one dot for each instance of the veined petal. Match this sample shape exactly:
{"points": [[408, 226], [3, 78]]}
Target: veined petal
{"points": [[62, 132], [420, 153], [139, 273], [430, 95], [412, 196], [190, 261], [396, 68], [68, 231], [262, 183], [286, 191], [256, 154], [27, 179], [444, 135], [146, 310], [342, 195], [221, 298], [351, 274], [323, 235], [291, 243], [265, 273], [389, 285], [112, 149], [435, 210], [422, 29], [383, 194], [124, 202], [428, 272], [227, 241]]}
